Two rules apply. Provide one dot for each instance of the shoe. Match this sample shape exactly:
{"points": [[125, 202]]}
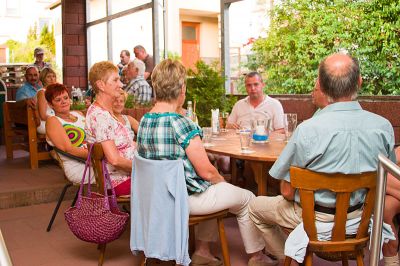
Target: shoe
{"points": [[256, 262], [198, 260]]}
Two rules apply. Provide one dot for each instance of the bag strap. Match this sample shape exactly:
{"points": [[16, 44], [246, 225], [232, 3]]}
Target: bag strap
{"points": [[107, 183], [87, 166]]}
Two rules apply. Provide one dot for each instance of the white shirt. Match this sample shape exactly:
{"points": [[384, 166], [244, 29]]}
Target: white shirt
{"points": [[269, 108]]}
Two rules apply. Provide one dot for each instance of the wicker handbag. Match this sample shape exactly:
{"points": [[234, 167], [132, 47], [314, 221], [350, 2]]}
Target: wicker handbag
{"points": [[96, 218]]}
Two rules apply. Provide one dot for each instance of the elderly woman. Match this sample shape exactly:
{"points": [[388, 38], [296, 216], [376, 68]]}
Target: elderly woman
{"points": [[65, 131], [164, 134], [47, 76], [102, 126], [128, 121]]}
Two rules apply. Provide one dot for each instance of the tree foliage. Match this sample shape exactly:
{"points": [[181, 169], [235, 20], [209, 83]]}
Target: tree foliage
{"points": [[23, 51], [205, 86], [303, 32]]}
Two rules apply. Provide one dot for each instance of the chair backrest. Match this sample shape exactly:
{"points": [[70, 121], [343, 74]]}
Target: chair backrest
{"points": [[20, 119], [97, 156], [342, 184]]}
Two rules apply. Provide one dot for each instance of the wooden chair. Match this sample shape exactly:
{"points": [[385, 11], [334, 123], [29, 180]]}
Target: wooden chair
{"points": [[341, 245], [97, 157], [20, 132]]}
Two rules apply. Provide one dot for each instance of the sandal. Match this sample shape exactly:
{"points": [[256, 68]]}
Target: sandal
{"points": [[198, 260]]}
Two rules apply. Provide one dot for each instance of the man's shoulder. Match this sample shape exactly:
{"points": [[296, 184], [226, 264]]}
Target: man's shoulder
{"points": [[272, 101]]}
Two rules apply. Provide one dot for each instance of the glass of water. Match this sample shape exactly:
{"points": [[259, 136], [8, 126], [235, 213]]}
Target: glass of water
{"points": [[290, 123], [245, 138], [207, 134]]}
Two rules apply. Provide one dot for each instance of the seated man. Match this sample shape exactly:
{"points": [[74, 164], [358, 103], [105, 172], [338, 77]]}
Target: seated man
{"points": [[137, 85], [125, 57], [255, 105], [341, 138], [29, 89]]}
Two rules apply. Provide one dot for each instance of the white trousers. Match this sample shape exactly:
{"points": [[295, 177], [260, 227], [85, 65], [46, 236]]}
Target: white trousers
{"points": [[226, 196]]}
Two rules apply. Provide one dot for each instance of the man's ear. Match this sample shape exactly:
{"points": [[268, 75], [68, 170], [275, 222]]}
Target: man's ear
{"points": [[360, 81]]}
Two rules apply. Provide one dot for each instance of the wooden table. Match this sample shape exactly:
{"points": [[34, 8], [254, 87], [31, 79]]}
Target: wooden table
{"points": [[264, 155]]}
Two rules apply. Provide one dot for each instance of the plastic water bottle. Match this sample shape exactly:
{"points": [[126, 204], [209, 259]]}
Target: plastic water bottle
{"points": [[79, 94], [189, 110], [74, 95]]}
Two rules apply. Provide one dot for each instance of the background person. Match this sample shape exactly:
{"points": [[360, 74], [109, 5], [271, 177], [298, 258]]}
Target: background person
{"points": [[137, 85], [125, 57], [102, 126], [39, 56], [164, 134], [128, 121], [30, 88], [65, 130], [47, 77], [141, 54]]}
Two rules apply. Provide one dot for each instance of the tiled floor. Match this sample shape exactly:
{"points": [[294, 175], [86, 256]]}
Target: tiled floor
{"points": [[24, 228]]}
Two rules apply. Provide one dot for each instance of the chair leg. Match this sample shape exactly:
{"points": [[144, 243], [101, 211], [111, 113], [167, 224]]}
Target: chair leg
{"points": [[76, 197], [224, 242], [345, 260], [192, 240], [102, 248], [60, 199], [308, 259], [360, 261], [288, 260]]}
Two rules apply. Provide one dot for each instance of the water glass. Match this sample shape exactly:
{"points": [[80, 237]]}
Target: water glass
{"points": [[207, 134], [290, 123], [245, 137]]}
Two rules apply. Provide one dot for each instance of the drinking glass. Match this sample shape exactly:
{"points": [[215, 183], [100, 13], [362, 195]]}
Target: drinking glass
{"points": [[207, 134], [224, 118], [245, 137], [290, 123]]}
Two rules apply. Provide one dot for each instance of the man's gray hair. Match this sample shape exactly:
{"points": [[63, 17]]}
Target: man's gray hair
{"points": [[139, 47], [254, 74], [339, 84], [139, 65]]}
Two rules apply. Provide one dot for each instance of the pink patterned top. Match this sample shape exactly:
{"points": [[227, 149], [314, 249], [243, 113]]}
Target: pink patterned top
{"points": [[101, 126]]}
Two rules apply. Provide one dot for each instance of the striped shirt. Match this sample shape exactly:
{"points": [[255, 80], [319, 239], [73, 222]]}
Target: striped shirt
{"points": [[166, 136]]}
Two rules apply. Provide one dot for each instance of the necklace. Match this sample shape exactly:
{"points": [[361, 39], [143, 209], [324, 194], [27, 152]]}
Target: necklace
{"points": [[69, 118], [111, 113]]}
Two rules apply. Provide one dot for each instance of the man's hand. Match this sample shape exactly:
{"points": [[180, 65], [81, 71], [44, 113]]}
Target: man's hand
{"points": [[31, 102], [232, 125], [287, 190]]}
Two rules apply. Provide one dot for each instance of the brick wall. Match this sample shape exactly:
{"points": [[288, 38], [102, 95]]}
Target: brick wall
{"points": [[74, 43]]}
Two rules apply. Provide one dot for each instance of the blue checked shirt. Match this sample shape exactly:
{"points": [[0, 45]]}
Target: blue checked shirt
{"points": [[165, 137], [140, 88], [341, 138]]}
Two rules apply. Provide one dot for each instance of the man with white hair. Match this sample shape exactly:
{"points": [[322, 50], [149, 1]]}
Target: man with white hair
{"points": [[137, 85]]}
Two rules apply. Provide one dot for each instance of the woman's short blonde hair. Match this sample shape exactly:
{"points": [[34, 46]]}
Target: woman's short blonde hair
{"points": [[168, 78], [43, 74], [101, 71]]}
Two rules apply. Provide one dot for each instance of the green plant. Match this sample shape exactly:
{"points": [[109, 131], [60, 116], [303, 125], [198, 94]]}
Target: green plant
{"points": [[303, 32], [205, 86], [130, 101]]}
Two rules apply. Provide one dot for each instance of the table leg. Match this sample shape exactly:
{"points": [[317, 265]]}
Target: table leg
{"points": [[260, 176]]}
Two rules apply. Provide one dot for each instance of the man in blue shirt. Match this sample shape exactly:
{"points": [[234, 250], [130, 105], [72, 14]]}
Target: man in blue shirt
{"points": [[342, 137], [30, 87]]}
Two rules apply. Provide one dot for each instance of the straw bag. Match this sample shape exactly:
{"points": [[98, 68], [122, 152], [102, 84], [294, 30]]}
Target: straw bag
{"points": [[96, 218]]}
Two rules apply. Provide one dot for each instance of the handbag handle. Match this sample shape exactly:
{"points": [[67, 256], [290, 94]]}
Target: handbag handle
{"points": [[87, 166]]}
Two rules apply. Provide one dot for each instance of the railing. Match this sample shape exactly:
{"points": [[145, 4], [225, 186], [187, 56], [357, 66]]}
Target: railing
{"points": [[385, 166], [4, 257]]}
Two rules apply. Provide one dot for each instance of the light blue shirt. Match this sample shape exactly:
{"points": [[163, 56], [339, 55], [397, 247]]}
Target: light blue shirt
{"points": [[27, 91], [341, 138]]}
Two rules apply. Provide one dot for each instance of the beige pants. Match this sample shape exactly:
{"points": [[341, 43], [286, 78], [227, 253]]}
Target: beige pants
{"points": [[276, 217], [226, 196]]}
